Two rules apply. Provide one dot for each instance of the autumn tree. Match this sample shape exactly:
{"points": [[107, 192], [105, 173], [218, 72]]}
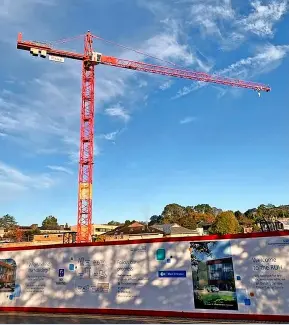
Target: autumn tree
{"points": [[50, 223], [206, 218], [186, 217], [244, 221], [225, 223], [189, 219]]}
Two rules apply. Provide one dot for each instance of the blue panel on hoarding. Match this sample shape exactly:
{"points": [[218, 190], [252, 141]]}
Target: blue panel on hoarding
{"points": [[172, 274]]}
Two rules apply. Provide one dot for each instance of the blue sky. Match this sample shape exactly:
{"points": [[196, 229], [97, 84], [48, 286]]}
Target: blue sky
{"points": [[158, 140], [218, 249]]}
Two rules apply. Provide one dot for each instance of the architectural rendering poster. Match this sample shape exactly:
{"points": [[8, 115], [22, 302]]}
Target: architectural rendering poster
{"points": [[7, 275], [213, 275], [245, 276]]}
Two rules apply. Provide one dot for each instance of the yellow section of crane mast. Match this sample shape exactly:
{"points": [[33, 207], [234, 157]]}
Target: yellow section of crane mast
{"points": [[85, 191]]}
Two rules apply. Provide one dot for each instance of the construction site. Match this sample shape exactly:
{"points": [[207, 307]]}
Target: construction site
{"points": [[189, 263], [90, 59]]}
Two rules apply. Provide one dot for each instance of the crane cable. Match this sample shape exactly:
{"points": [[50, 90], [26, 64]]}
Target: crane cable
{"points": [[65, 40], [134, 50]]}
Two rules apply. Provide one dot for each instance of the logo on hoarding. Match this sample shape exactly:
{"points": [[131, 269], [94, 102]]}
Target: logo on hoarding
{"points": [[61, 273], [172, 274], [160, 254], [138, 249]]}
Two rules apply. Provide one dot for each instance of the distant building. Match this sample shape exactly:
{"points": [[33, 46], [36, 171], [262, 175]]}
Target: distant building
{"points": [[277, 225], [97, 229], [48, 238], [55, 238], [35, 226], [247, 229], [175, 230], [132, 231], [284, 223], [221, 273], [203, 228], [2, 232]]}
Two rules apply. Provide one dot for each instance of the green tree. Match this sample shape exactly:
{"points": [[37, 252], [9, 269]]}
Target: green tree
{"points": [[155, 219], [238, 214], [204, 208], [29, 234], [172, 213], [250, 213], [50, 223], [128, 222], [113, 223], [7, 222], [267, 211], [225, 223]]}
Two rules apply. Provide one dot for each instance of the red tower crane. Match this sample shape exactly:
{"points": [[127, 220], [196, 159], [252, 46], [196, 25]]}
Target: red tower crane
{"points": [[89, 59]]}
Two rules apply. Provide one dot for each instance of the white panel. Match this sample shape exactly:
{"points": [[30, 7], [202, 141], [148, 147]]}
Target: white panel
{"points": [[226, 276], [56, 58]]}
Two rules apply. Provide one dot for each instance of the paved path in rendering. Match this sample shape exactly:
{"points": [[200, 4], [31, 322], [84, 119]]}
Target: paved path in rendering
{"points": [[37, 318]]}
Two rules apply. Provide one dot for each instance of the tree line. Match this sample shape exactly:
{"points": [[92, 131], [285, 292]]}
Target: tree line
{"points": [[191, 217], [11, 227], [220, 222]]}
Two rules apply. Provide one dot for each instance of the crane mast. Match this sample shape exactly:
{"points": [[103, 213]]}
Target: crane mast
{"points": [[84, 216], [89, 59]]}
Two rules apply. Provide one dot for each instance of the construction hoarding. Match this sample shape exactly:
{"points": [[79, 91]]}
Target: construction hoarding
{"points": [[246, 276]]}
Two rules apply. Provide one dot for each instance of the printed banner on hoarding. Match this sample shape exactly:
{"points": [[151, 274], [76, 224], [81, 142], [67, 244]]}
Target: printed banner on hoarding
{"points": [[240, 276]]}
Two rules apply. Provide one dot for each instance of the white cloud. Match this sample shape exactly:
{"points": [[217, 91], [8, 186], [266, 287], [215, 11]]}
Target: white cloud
{"points": [[208, 15], [60, 169], [110, 136], [119, 112], [166, 46], [18, 180], [166, 85], [188, 119], [266, 59], [263, 17], [219, 21]]}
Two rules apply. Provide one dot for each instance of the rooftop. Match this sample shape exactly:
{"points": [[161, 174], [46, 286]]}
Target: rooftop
{"points": [[174, 229], [134, 229]]}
